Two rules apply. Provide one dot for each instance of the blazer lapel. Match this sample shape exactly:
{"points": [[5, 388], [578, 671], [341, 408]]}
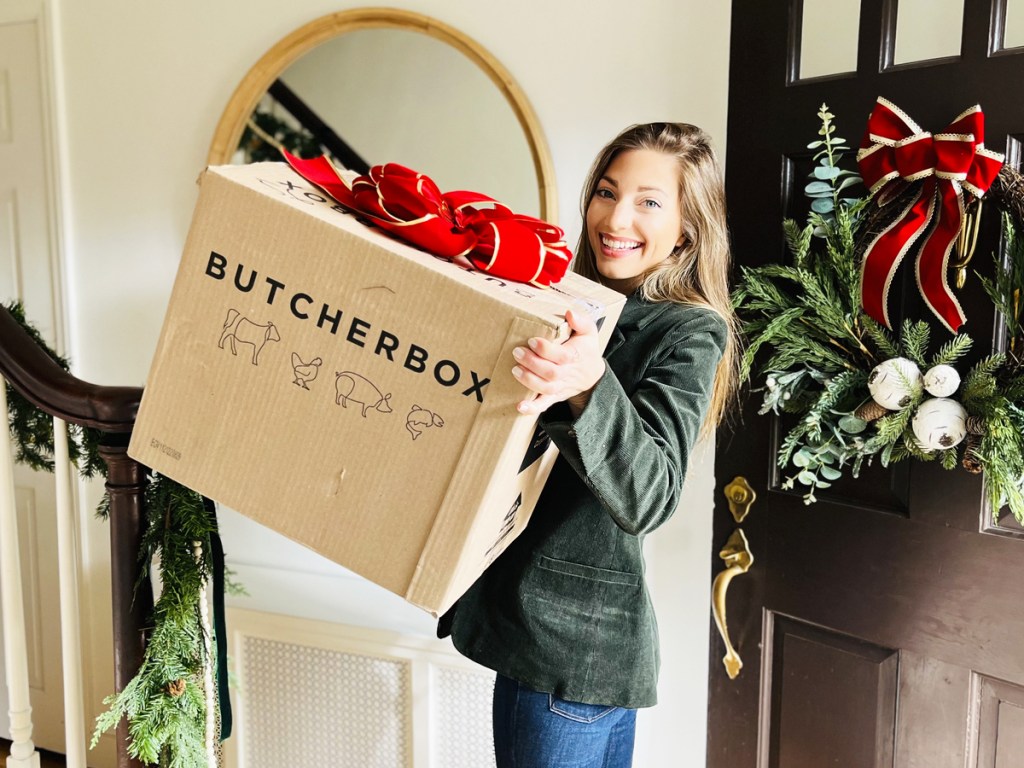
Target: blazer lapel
{"points": [[615, 341]]}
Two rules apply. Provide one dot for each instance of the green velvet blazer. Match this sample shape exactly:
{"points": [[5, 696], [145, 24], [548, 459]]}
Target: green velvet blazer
{"points": [[565, 609]]}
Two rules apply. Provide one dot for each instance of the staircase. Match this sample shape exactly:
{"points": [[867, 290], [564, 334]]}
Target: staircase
{"points": [[31, 372]]}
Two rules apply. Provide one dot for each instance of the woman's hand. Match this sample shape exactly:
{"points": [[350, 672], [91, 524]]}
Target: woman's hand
{"points": [[557, 372]]}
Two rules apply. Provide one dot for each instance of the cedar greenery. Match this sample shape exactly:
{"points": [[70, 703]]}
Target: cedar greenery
{"points": [[814, 347], [165, 702]]}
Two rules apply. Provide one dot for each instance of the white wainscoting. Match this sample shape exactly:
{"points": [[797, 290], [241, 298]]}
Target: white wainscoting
{"points": [[315, 693]]}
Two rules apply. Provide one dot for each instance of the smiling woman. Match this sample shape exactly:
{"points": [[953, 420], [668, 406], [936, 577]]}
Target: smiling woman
{"points": [[396, 86], [563, 615], [633, 220]]}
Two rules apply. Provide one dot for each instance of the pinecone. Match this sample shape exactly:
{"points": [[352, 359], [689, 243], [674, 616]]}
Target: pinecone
{"points": [[176, 688], [870, 411], [975, 425], [970, 461]]}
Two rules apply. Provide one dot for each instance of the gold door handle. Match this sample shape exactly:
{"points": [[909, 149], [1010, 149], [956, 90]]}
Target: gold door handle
{"points": [[740, 496], [738, 559]]}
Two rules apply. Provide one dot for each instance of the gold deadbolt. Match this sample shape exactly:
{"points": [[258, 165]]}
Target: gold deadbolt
{"points": [[740, 496]]}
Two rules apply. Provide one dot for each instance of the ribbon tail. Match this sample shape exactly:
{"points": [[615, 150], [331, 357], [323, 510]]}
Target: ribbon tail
{"points": [[220, 629], [933, 260], [885, 253]]}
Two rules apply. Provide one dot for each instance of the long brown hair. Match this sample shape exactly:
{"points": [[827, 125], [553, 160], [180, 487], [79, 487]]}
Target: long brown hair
{"points": [[697, 272]]}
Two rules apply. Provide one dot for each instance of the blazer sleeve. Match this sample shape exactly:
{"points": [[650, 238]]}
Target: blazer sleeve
{"points": [[632, 450]]}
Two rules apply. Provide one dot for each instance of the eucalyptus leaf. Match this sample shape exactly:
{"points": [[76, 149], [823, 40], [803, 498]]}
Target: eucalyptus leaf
{"points": [[853, 425], [849, 181], [822, 205], [818, 482], [801, 459], [815, 144], [825, 172], [816, 188], [830, 473], [806, 478]]}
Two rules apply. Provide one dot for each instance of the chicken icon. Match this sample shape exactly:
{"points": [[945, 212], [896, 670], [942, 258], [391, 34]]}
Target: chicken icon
{"points": [[305, 372]]}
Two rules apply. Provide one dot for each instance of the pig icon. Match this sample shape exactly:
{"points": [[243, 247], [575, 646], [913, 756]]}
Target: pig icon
{"points": [[352, 386], [420, 419]]}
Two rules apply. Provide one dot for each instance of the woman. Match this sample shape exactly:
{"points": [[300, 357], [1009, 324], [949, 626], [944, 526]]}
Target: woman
{"points": [[563, 616]]}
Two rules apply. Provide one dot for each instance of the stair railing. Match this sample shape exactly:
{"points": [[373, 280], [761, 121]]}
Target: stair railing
{"points": [[111, 410]]}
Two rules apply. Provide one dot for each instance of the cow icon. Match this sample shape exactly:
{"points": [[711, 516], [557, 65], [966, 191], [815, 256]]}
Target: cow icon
{"points": [[352, 386], [241, 329], [420, 419]]}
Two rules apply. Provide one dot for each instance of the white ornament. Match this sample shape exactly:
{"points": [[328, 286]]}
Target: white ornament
{"points": [[892, 384], [941, 381], [940, 423]]}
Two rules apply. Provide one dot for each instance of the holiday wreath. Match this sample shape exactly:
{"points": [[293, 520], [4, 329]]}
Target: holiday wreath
{"points": [[859, 389]]}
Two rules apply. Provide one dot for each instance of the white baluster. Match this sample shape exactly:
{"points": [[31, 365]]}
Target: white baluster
{"points": [[70, 618], [23, 751]]}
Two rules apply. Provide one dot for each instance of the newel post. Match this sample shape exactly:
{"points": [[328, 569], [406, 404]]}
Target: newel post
{"points": [[132, 605]]}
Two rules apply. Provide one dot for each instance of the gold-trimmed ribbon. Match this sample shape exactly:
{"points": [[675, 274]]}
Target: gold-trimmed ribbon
{"points": [[895, 153], [462, 225]]}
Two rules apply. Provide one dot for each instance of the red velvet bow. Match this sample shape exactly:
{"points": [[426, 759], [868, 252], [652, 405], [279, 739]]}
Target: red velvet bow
{"points": [[410, 205], [895, 152]]}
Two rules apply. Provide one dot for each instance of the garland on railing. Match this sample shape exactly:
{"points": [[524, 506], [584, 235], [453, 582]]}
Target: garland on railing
{"points": [[859, 391], [166, 702]]}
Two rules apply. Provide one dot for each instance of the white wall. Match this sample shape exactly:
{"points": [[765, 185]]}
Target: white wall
{"points": [[141, 87]]}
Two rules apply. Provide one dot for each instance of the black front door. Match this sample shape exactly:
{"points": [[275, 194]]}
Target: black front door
{"points": [[882, 625]]}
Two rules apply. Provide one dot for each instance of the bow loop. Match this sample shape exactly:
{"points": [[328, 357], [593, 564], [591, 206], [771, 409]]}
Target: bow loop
{"points": [[896, 152], [457, 225], [888, 124]]}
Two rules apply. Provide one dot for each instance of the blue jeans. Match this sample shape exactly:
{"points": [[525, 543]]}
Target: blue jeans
{"points": [[539, 730]]}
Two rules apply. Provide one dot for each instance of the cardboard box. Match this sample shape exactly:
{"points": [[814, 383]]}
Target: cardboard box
{"points": [[347, 390]]}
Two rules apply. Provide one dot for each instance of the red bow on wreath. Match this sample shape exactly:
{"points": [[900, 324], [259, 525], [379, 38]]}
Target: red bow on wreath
{"points": [[410, 205], [895, 152]]}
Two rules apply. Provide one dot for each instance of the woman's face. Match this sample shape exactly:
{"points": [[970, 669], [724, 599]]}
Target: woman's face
{"points": [[633, 219]]}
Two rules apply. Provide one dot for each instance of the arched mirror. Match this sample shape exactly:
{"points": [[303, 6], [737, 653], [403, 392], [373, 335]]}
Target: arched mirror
{"points": [[378, 85]]}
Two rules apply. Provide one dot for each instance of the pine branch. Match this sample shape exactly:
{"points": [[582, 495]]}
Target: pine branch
{"points": [[798, 240], [881, 336], [952, 350], [166, 722], [980, 382], [914, 340]]}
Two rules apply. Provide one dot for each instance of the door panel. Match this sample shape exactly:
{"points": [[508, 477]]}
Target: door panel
{"points": [[832, 698], [1000, 723], [879, 626]]}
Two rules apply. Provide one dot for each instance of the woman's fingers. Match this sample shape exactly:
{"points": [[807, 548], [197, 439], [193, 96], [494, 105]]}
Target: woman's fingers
{"points": [[581, 323], [537, 404], [557, 371], [536, 383], [535, 363]]}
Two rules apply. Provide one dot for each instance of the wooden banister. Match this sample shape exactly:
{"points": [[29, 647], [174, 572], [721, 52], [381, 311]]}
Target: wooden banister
{"points": [[112, 410], [46, 385]]}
